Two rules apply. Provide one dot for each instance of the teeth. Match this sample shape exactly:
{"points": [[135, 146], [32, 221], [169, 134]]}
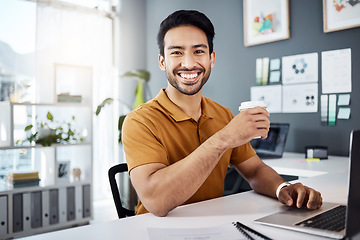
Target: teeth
{"points": [[188, 76]]}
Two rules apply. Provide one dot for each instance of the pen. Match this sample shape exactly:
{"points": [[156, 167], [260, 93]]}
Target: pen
{"points": [[241, 227]]}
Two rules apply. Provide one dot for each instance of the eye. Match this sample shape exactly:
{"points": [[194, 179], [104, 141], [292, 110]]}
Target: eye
{"points": [[176, 53], [199, 51]]}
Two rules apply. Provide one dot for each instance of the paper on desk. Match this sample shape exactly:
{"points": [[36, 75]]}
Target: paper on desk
{"points": [[221, 232]]}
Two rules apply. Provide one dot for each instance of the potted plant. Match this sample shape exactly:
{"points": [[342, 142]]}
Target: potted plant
{"points": [[50, 131], [143, 78]]}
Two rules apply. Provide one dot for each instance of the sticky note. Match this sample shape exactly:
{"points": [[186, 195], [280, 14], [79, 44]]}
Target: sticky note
{"points": [[344, 100], [274, 76], [344, 113], [275, 64]]}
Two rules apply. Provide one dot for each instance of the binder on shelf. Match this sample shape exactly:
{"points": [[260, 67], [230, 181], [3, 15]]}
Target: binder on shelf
{"points": [[27, 211], [62, 205], [70, 195], [17, 212], [86, 201], [54, 206], [36, 209], [78, 202], [45, 197], [3, 215]]}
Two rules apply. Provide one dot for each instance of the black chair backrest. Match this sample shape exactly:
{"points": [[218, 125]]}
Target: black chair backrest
{"points": [[122, 212]]}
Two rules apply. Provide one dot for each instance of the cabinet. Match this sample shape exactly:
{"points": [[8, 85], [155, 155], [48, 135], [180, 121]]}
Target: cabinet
{"points": [[60, 199]]}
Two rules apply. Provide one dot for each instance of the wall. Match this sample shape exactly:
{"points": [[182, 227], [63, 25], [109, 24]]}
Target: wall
{"points": [[234, 71]]}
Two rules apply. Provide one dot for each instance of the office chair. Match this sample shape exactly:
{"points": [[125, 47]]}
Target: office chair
{"points": [[122, 212]]}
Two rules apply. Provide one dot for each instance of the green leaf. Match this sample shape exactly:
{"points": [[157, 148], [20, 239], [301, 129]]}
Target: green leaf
{"points": [[139, 73], [49, 116], [121, 122], [99, 107], [28, 127]]}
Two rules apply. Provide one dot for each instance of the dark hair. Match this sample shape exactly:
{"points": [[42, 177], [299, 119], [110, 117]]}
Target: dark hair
{"points": [[186, 17]]}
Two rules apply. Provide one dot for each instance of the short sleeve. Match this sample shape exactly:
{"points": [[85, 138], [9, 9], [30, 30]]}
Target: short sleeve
{"points": [[242, 153], [140, 143]]}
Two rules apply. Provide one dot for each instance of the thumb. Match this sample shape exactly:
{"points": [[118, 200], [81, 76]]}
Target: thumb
{"points": [[285, 198]]}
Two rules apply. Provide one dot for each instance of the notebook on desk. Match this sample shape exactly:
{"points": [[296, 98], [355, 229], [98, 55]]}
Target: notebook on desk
{"points": [[273, 146], [308, 220]]}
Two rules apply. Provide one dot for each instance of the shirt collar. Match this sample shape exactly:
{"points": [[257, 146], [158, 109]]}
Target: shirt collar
{"points": [[174, 111]]}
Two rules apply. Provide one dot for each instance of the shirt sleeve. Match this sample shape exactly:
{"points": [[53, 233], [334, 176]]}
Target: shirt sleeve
{"points": [[242, 153], [140, 143]]}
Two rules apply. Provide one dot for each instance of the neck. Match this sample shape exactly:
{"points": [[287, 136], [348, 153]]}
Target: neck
{"points": [[189, 104]]}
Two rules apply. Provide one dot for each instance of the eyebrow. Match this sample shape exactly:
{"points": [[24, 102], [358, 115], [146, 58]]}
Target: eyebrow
{"points": [[194, 46]]}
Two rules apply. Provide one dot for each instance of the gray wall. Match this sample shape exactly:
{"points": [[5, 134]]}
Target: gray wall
{"points": [[234, 71]]}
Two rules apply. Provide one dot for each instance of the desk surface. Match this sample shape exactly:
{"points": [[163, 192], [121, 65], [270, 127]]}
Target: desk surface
{"points": [[330, 178]]}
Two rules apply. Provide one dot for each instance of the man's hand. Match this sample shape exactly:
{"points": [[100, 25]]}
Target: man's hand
{"points": [[246, 125], [301, 196]]}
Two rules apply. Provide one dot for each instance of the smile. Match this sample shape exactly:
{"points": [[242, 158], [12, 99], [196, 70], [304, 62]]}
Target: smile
{"points": [[189, 76]]}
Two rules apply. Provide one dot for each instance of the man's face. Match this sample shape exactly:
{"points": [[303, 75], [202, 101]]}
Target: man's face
{"points": [[187, 61]]}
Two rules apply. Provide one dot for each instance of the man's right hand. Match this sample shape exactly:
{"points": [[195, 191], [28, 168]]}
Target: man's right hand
{"points": [[248, 124]]}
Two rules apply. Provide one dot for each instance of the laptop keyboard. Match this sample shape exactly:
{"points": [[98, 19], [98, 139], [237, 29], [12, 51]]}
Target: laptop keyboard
{"points": [[333, 220]]}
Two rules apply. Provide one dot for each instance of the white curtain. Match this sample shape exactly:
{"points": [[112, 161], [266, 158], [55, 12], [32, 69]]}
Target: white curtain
{"points": [[79, 37]]}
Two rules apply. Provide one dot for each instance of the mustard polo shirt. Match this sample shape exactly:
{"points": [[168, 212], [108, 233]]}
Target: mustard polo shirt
{"points": [[159, 132]]}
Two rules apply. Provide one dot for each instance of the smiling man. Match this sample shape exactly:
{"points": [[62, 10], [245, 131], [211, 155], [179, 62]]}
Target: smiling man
{"points": [[179, 145]]}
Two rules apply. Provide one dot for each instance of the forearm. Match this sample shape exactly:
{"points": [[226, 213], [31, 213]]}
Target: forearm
{"points": [[266, 181], [262, 178], [167, 187]]}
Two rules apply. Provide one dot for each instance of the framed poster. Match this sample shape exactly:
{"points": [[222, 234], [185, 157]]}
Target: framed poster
{"points": [[63, 171], [265, 21], [340, 15]]}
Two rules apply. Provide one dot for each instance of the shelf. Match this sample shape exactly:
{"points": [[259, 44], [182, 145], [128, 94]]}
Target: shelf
{"points": [[40, 146], [64, 104], [5, 188]]}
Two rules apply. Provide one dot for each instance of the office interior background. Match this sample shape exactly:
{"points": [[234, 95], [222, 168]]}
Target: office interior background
{"points": [[120, 35]]}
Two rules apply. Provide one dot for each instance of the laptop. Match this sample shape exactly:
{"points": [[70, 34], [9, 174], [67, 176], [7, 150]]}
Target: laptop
{"points": [[305, 220], [273, 146]]}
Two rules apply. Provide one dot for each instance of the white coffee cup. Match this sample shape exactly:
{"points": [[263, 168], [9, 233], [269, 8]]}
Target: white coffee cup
{"points": [[252, 104]]}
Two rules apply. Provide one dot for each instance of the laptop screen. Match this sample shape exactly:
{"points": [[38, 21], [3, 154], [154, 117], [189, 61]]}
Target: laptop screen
{"points": [[273, 146], [353, 206]]}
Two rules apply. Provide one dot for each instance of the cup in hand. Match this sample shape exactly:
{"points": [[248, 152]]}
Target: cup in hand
{"points": [[252, 104]]}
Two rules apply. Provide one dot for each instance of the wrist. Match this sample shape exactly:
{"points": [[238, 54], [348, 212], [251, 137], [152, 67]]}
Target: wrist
{"points": [[281, 186]]}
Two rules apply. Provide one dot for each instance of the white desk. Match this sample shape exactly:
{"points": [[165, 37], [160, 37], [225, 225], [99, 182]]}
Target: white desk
{"points": [[243, 207]]}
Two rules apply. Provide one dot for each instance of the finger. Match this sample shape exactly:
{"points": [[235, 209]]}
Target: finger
{"points": [[301, 194], [258, 110], [284, 197], [313, 199]]}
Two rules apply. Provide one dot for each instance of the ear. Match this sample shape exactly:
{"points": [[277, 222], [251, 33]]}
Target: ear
{"points": [[161, 62], [212, 59]]}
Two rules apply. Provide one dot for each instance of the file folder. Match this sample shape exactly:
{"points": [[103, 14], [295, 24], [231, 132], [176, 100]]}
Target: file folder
{"points": [[3, 215], [54, 206], [62, 205], [78, 202], [27, 211], [17, 212], [45, 197], [86, 201], [70, 195], [36, 209]]}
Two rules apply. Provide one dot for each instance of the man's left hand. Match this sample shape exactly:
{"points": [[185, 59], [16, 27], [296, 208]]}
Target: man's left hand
{"points": [[300, 195]]}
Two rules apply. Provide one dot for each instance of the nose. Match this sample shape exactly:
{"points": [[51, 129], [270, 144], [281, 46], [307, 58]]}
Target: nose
{"points": [[188, 61]]}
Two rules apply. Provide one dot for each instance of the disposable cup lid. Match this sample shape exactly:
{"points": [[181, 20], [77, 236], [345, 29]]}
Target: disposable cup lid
{"points": [[252, 104]]}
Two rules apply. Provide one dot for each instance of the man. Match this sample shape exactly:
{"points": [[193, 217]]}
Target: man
{"points": [[178, 145]]}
